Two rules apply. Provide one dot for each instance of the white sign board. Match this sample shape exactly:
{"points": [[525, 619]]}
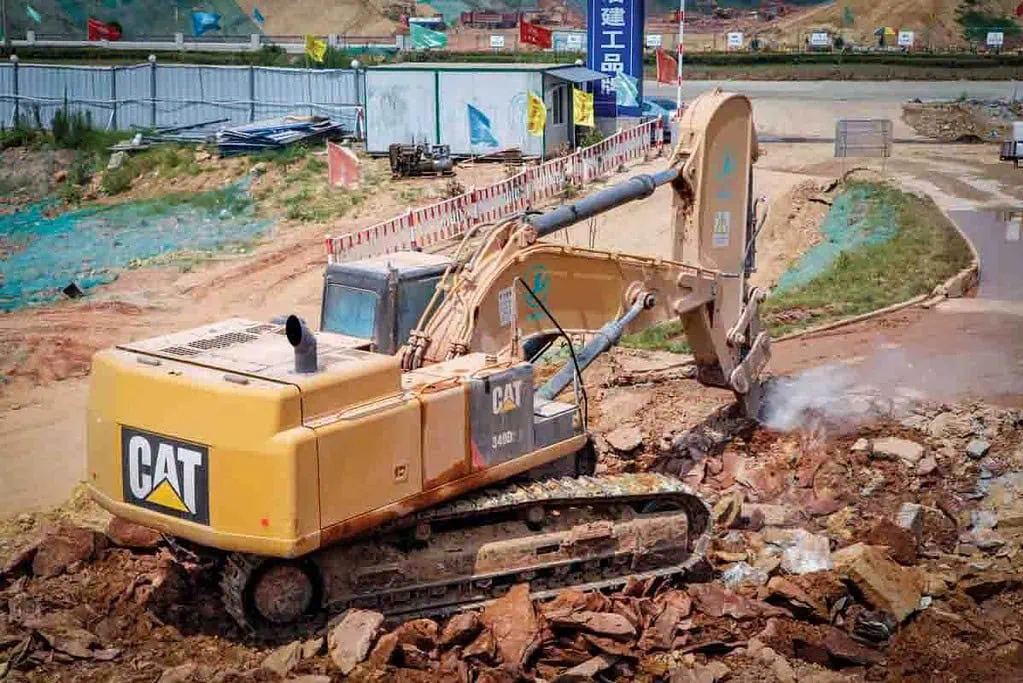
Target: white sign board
{"points": [[905, 39], [734, 40], [995, 38], [820, 39], [496, 41], [575, 41], [653, 40]]}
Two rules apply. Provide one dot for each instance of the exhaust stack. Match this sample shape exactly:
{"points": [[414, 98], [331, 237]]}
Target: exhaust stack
{"points": [[299, 336]]}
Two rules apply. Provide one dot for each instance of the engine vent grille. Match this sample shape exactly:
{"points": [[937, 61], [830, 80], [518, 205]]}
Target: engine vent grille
{"points": [[222, 341], [181, 351]]}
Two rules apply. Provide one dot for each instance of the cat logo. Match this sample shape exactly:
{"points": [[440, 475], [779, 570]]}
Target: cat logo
{"points": [[165, 475], [507, 397]]}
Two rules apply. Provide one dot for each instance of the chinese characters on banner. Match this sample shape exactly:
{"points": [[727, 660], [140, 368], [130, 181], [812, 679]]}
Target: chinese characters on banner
{"points": [[615, 38]]}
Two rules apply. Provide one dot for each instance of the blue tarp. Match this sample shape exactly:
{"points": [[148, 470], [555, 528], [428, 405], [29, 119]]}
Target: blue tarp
{"points": [[90, 246], [855, 220]]}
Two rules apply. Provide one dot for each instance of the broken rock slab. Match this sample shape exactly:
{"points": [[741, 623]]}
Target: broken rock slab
{"points": [[625, 439], [514, 625], [62, 547], [892, 448], [883, 583], [284, 659], [131, 535], [977, 448], [715, 601], [461, 629], [348, 642], [586, 671], [801, 552], [603, 623], [901, 543]]}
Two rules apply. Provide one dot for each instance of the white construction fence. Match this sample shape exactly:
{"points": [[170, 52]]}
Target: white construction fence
{"points": [[428, 225]]}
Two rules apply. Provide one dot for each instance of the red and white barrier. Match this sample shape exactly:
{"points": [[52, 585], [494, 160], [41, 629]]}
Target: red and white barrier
{"points": [[428, 225]]}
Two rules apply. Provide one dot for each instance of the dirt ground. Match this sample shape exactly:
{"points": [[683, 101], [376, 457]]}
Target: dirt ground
{"points": [[40, 423], [117, 613]]}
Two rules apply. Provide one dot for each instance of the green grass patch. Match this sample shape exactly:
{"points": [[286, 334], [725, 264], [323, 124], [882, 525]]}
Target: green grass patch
{"points": [[663, 337], [923, 251]]}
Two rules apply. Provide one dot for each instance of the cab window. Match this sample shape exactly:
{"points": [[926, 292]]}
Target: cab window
{"points": [[350, 311]]}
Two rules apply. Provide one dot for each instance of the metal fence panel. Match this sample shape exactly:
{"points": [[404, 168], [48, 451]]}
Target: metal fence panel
{"points": [[185, 94], [132, 87], [306, 91], [863, 138], [6, 94], [86, 89], [188, 95], [400, 107]]}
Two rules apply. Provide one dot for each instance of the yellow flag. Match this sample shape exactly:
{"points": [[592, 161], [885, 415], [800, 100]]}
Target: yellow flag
{"points": [[315, 48], [536, 114], [582, 108]]}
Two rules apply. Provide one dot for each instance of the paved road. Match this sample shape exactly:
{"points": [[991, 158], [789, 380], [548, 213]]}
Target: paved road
{"points": [[840, 91], [998, 239], [810, 108]]}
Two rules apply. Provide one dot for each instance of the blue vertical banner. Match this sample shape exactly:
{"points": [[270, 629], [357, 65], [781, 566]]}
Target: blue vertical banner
{"points": [[614, 36]]}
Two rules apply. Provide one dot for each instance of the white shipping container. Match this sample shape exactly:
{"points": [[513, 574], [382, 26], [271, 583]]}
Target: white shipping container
{"points": [[1017, 131]]}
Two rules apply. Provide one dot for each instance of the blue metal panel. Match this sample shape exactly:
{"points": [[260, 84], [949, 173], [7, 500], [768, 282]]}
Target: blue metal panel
{"points": [[133, 107], [6, 94], [192, 94], [46, 87], [320, 92]]}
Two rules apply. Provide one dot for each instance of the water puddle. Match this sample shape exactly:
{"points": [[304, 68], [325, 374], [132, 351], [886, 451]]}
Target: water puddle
{"points": [[39, 256]]}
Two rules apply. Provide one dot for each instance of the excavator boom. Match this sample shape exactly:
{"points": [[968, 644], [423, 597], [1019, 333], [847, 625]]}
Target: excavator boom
{"points": [[515, 287]]}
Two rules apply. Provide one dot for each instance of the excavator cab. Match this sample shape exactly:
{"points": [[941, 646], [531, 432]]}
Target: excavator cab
{"points": [[380, 299]]}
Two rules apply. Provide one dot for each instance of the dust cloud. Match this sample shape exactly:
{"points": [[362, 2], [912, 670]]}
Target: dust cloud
{"points": [[886, 384]]}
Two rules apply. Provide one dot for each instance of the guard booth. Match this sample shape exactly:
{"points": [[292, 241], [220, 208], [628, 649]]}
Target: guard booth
{"points": [[428, 102]]}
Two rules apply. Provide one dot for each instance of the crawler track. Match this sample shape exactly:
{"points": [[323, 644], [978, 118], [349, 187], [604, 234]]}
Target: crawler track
{"points": [[600, 532]]}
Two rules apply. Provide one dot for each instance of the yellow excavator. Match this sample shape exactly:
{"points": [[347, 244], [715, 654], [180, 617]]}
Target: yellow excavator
{"points": [[407, 458]]}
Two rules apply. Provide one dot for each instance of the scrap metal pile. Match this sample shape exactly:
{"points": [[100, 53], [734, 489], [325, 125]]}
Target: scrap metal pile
{"points": [[891, 549], [258, 136], [271, 134]]}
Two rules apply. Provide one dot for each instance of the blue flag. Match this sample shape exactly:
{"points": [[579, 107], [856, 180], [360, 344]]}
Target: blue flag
{"points": [[479, 129], [258, 16], [205, 21]]}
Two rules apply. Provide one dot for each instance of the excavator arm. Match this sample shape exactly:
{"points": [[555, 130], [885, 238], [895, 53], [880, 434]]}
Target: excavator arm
{"points": [[511, 286]]}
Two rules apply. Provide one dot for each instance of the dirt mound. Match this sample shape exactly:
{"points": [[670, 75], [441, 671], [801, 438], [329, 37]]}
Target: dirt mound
{"points": [[790, 587], [963, 121]]}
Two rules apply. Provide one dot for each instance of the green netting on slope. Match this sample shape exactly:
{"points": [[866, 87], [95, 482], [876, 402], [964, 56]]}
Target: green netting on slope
{"points": [[139, 19], [90, 246], [854, 220]]}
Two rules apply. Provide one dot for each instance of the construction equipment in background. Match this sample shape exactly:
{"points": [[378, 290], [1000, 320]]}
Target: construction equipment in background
{"points": [[1012, 150], [351, 468], [420, 159]]}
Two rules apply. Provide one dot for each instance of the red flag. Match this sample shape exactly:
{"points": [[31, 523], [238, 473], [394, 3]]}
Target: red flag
{"points": [[667, 68], [533, 34], [1019, 10], [99, 30]]}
